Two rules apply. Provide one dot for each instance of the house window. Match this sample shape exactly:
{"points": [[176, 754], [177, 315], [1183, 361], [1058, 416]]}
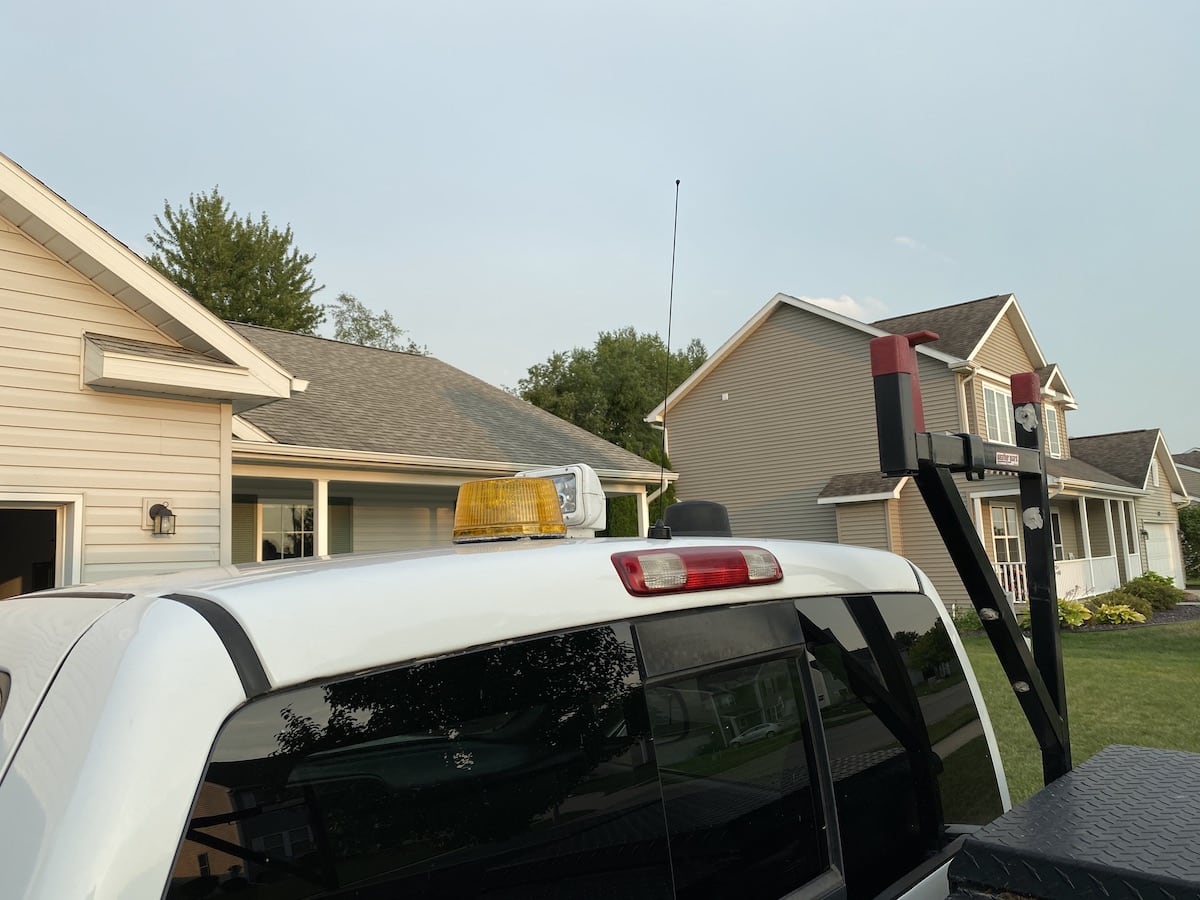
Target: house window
{"points": [[287, 530], [997, 407], [1050, 423], [1006, 534], [1154, 472], [1056, 533]]}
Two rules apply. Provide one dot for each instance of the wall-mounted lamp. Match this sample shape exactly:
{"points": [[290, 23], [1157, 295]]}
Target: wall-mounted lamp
{"points": [[163, 518], [1144, 534]]}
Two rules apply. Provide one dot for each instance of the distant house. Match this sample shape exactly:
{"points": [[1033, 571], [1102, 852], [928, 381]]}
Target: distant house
{"points": [[779, 425], [121, 393], [1188, 465], [378, 444]]}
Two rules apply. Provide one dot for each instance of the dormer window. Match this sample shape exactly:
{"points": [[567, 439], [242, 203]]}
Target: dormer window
{"points": [[997, 408]]}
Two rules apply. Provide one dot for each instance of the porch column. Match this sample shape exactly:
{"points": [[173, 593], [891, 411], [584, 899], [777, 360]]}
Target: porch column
{"points": [[643, 513], [1112, 542], [977, 503], [1123, 562], [1087, 542], [1133, 530], [320, 492]]}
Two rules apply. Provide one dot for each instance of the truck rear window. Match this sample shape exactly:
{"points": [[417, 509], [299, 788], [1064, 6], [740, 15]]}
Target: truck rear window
{"points": [[910, 763], [516, 771]]}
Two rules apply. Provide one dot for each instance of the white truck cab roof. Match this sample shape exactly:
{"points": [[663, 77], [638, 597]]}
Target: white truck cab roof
{"points": [[121, 695]]}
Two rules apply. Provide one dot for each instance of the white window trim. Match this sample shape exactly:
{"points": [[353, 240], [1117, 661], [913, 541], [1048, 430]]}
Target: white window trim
{"points": [[1006, 536], [1056, 538], [1050, 424], [68, 554], [1003, 415]]}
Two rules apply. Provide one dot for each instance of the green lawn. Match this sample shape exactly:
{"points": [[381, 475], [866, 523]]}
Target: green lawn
{"points": [[1140, 686]]}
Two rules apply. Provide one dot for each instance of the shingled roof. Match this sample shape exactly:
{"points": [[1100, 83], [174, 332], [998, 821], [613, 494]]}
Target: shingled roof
{"points": [[381, 401], [959, 327], [1126, 454], [1191, 459]]}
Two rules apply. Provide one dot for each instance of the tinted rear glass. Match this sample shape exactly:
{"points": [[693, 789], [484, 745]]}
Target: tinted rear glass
{"points": [[510, 772], [910, 764], [732, 741]]}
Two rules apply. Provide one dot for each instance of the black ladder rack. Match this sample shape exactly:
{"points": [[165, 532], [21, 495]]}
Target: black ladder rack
{"points": [[931, 460]]}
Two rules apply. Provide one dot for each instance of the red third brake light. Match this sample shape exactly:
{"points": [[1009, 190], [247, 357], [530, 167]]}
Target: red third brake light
{"points": [[649, 572]]}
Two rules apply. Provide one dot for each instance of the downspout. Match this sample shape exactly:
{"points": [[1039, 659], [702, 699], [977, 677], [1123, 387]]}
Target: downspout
{"points": [[966, 371]]}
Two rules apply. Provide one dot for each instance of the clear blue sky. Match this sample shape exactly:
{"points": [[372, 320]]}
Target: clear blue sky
{"points": [[501, 176]]}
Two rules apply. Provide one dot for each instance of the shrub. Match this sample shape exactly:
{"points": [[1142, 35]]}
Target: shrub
{"points": [[1071, 614], [1122, 598], [1159, 590], [1116, 614], [965, 619]]}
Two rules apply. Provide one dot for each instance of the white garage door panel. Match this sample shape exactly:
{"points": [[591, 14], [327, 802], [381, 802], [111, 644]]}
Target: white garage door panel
{"points": [[1162, 551]]}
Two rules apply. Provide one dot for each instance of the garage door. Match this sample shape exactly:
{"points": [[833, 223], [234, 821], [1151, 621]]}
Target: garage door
{"points": [[1162, 551]]}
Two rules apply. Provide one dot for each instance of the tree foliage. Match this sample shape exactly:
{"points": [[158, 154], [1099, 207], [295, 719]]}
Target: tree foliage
{"points": [[242, 269], [355, 323], [608, 388], [1189, 534]]}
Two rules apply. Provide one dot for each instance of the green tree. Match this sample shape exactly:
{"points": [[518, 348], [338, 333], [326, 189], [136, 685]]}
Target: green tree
{"points": [[1189, 535], [931, 651], [607, 389], [241, 269], [354, 323]]}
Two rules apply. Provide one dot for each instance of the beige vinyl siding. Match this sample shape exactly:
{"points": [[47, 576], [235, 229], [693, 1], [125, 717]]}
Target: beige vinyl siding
{"points": [[385, 517], [939, 396], [1003, 351], [59, 438], [923, 545], [789, 408], [1072, 536], [864, 524], [895, 527]]}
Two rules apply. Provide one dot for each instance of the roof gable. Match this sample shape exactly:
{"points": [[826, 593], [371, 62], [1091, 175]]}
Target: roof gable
{"points": [[390, 403], [961, 327], [47, 219]]}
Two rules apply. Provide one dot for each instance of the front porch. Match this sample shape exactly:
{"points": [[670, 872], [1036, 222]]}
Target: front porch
{"points": [[1095, 544]]}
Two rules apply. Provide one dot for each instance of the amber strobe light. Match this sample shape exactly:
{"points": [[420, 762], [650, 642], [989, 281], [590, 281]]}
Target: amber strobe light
{"points": [[505, 508], [648, 572]]}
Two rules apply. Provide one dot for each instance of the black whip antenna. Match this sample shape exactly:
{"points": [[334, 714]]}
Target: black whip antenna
{"points": [[659, 529]]}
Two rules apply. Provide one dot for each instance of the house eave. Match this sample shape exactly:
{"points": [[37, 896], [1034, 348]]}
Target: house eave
{"points": [[106, 369], [315, 457], [49, 220]]}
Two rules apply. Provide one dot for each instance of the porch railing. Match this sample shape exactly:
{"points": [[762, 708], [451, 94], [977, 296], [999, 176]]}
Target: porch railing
{"points": [[1074, 577], [1012, 580]]}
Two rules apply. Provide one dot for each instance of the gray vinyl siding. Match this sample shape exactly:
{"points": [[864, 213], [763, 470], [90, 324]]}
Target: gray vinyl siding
{"points": [[63, 440], [864, 524], [799, 409]]}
